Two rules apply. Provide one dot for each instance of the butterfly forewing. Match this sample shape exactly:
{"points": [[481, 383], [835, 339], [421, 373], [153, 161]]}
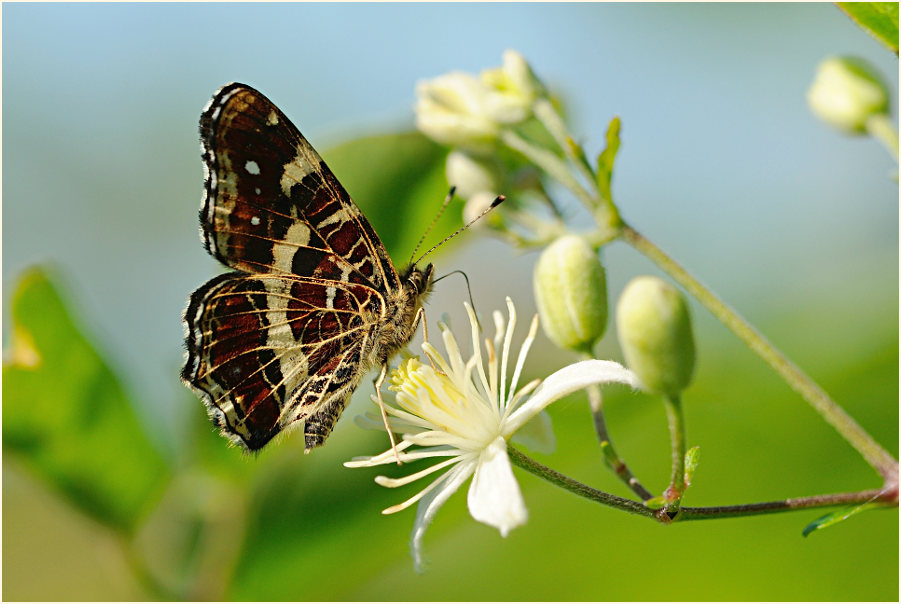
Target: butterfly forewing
{"points": [[315, 301], [272, 205]]}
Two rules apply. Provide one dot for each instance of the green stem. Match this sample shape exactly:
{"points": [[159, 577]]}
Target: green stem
{"points": [[886, 496], [882, 128], [673, 494], [548, 162], [834, 415], [553, 123], [788, 505], [573, 486], [611, 457]]}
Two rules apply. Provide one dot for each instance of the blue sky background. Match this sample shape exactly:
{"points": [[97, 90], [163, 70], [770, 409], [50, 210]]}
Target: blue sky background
{"points": [[721, 163]]}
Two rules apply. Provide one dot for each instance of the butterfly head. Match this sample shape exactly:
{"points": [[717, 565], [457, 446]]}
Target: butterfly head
{"points": [[418, 281]]}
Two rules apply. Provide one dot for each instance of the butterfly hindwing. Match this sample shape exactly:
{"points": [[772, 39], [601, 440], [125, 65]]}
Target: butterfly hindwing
{"points": [[269, 350]]}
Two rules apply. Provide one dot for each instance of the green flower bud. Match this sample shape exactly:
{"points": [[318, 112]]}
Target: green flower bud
{"points": [[846, 92], [571, 293], [654, 331]]}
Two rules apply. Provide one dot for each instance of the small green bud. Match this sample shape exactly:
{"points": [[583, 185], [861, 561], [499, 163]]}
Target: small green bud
{"points": [[655, 335], [846, 92], [571, 293]]}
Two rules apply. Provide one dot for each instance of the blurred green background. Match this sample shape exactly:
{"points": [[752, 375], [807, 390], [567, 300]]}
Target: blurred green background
{"points": [[110, 466]]}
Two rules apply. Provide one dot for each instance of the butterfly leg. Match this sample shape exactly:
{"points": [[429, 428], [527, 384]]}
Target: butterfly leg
{"points": [[420, 316], [378, 393]]}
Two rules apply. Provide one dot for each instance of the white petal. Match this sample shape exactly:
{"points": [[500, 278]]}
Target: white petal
{"points": [[430, 504], [494, 496], [566, 381], [505, 354], [521, 359], [398, 482]]}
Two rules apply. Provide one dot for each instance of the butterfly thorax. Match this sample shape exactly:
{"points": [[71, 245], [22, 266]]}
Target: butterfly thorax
{"points": [[402, 310]]}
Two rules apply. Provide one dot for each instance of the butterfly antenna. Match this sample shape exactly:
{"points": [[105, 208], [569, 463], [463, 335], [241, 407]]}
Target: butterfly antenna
{"points": [[447, 200], [468, 290], [497, 201]]}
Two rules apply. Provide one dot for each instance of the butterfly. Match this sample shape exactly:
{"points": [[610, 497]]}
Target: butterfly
{"points": [[313, 301]]}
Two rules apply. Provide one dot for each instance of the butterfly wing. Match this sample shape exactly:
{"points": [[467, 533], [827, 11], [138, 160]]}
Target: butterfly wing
{"points": [[288, 336], [265, 351], [272, 205]]}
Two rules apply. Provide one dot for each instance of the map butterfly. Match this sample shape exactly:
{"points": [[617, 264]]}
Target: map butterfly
{"points": [[313, 301]]}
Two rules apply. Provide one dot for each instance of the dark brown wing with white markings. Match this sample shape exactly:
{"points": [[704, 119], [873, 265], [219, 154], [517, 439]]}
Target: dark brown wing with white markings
{"points": [[271, 204], [268, 350]]}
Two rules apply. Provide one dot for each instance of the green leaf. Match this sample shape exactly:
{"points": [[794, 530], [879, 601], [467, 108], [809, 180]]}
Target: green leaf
{"points": [[879, 19], [606, 159], [655, 503], [66, 415], [836, 517], [692, 458], [398, 181]]}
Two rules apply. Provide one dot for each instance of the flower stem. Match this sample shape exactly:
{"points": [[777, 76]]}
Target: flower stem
{"points": [[673, 494], [834, 415], [553, 123], [881, 127], [574, 486], [611, 457], [548, 162]]}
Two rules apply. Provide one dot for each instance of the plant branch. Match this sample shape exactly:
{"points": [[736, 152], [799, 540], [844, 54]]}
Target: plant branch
{"points": [[834, 415], [573, 486], [787, 505], [886, 496]]}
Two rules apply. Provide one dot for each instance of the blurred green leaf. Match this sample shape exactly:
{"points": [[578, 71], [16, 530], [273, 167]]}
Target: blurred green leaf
{"points": [[607, 157], [836, 517], [66, 414], [398, 181], [879, 19]]}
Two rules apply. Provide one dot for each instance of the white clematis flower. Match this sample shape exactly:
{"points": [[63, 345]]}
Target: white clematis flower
{"points": [[462, 109], [465, 413], [514, 86], [453, 109]]}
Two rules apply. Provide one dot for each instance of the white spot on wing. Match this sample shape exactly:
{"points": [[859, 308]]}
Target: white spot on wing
{"points": [[255, 220], [252, 167]]}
